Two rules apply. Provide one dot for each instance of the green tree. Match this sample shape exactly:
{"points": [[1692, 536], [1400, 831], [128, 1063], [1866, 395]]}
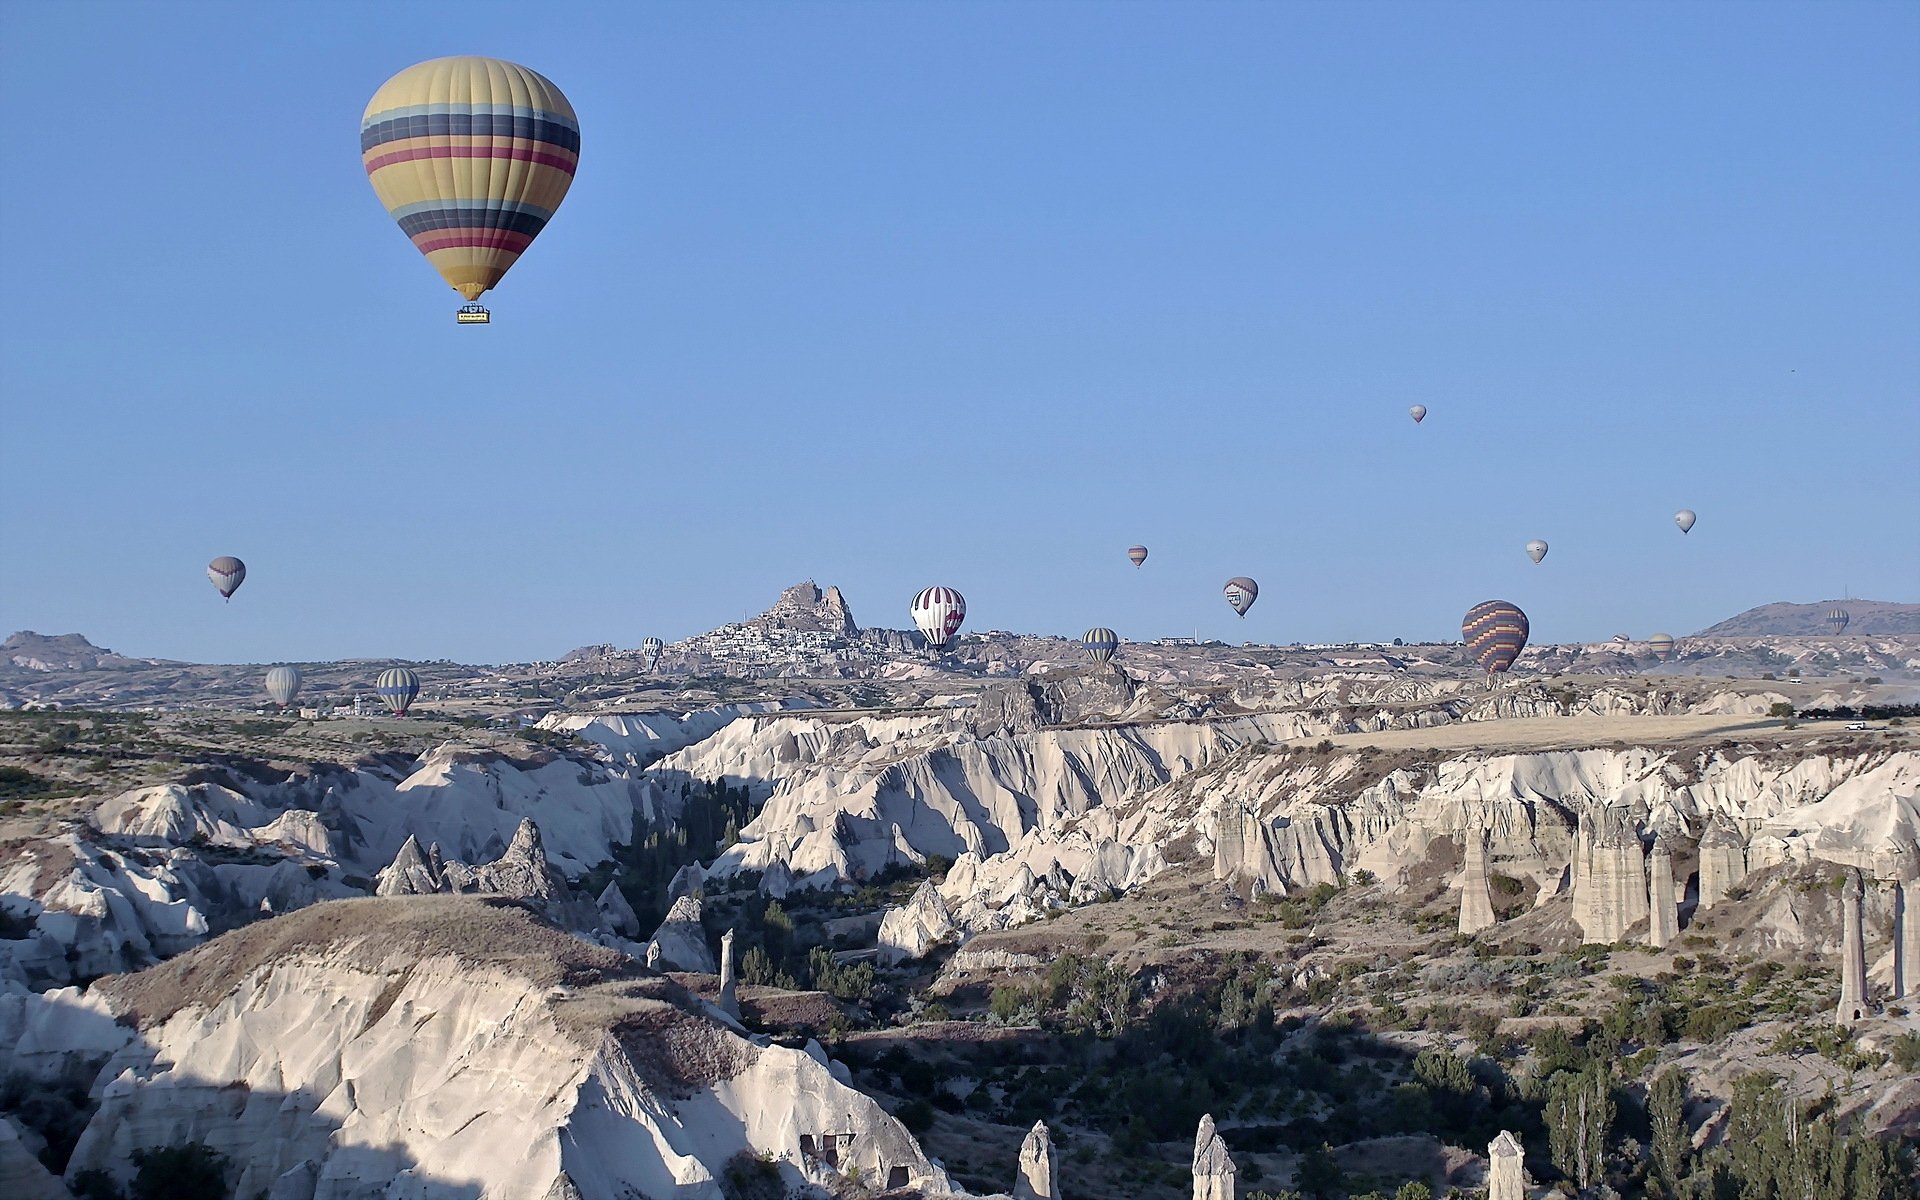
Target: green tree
{"points": [[1666, 1112], [1580, 1116], [1316, 1176], [190, 1171]]}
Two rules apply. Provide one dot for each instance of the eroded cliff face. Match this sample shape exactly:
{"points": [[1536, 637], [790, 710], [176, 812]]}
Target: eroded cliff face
{"points": [[1039, 818], [446, 1046], [157, 870]]}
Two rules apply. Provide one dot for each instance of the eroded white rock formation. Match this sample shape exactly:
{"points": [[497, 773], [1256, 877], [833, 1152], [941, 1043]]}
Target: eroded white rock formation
{"points": [[364, 1048], [1476, 887], [1853, 954], [1663, 910], [1214, 1175], [917, 927], [1039, 1168], [729, 998], [1506, 1168], [1609, 875], [681, 941], [1723, 859]]}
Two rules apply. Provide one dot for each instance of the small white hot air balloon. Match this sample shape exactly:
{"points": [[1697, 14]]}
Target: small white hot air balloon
{"points": [[227, 573], [937, 613], [283, 684], [1536, 549], [1241, 592], [1418, 412], [1684, 519]]}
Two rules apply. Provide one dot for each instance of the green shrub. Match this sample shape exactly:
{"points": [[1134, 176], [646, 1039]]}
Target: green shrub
{"points": [[190, 1171]]}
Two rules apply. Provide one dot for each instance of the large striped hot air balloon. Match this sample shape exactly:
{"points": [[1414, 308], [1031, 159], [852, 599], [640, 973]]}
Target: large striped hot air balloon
{"points": [[227, 573], [1101, 643], [1138, 554], [1662, 645], [283, 684], [1536, 549], [650, 651], [1495, 632], [471, 156], [1241, 592], [398, 686], [1838, 619], [938, 612]]}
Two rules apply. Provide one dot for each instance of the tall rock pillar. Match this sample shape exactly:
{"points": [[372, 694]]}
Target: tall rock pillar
{"points": [[1906, 939], [1214, 1176], [1609, 876], [1039, 1166], [1853, 954], [1663, 911], [1506, 1169], [1476, 888], [1723, 860], [729, 1000]]}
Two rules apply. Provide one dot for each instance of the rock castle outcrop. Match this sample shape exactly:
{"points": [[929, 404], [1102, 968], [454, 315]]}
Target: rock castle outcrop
{"points": [[1476, 887], [1609, 876], [1039, 1169]]}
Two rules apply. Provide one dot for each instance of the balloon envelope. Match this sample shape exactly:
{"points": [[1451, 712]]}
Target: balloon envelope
{"points": [[283, 684], [1241, 592], [1838, 619], [398, 686], [471, 156], [1418, 412], [1137, 553], [1495, 632], [1101, 643], [227, 573], [650, 650], [937, 613], [1684, 519], [1536, 549], [1662, 646]]}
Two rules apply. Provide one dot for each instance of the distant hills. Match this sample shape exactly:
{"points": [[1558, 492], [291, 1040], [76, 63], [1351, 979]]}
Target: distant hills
{"points": [[62, 652], [1878, 617]]}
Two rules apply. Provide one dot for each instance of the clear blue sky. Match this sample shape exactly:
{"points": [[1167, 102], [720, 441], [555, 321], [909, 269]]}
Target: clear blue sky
{"points": [[966, 293]]}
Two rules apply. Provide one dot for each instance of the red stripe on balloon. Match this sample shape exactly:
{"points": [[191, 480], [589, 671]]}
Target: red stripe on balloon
{"points": [[513, 152], [470, 239]]}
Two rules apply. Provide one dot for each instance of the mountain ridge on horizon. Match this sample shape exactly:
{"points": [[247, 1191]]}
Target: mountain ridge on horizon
{"points": [[808, 606]]}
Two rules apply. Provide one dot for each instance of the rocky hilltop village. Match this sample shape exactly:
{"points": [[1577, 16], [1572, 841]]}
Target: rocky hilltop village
{"points": [[805, 910]]}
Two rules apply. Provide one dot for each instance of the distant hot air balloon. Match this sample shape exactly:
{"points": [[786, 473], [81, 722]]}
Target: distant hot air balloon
{"points": [[1418, 412], [1536, 549], [1838, 619], [471, 156], [1137, 553], [1101, 643], [283, 684], [650, 650], [1495, 633], [1684, 519], [1241, 592], [1662, 646], [227, 573], [398, 686], [938, 612]]}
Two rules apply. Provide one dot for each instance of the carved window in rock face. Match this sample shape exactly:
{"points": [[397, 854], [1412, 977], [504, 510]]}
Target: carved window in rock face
{"points": [[830, 1149], [806, 1143], [897, 1177]]}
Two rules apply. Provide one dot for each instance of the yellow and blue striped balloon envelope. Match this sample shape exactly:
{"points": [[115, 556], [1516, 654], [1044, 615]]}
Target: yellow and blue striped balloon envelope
{"points": [[471, 156]]}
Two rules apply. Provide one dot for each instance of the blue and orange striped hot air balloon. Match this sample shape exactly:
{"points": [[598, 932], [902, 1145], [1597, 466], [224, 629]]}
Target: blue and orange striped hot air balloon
{"points": [[471, 156], [1495, 632]]}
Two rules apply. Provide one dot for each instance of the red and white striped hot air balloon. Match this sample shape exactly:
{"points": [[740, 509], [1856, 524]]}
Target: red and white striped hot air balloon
{"points": [[938, 613]]}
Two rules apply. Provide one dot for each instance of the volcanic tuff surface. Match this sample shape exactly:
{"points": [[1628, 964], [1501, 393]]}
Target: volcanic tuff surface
{"points": [[364, 1048]]}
